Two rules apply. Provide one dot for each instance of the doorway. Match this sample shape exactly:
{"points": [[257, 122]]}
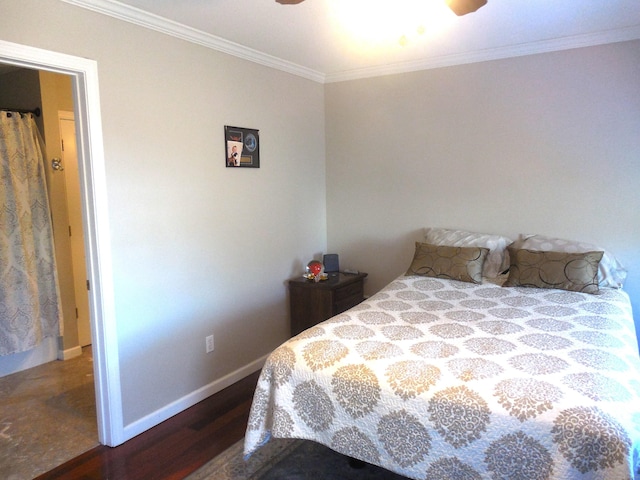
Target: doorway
{"points": [[84, 75], [51, 94], [58, 396]]}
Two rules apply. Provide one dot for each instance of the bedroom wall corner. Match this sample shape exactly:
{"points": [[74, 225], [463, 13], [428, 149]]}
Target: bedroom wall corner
{"points": [[197, 248], [544, 143]]}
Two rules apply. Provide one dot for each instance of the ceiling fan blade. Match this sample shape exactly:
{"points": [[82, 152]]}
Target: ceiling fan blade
{"points": [[462, 7], [289, 2]]}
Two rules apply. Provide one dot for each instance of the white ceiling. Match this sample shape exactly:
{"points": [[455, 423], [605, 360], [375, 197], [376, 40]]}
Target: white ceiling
{"points": [[311, 39]]}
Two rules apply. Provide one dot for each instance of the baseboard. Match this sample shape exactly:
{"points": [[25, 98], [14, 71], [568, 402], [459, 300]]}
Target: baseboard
{"points": [[168, 411], [70, 353]]}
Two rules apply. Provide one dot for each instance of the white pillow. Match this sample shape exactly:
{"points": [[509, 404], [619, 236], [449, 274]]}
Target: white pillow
{"points": [[611, 273], [496, 262]]}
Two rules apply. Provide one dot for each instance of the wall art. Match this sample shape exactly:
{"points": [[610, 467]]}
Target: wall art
{"points": [[242, 147]]}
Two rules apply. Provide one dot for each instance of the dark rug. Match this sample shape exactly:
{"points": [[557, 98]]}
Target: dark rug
{"points": [[288, 460]]}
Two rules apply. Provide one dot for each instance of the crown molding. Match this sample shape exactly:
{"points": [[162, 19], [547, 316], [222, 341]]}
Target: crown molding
{"points": [[160, 24], [532, 48], [145, 19]]}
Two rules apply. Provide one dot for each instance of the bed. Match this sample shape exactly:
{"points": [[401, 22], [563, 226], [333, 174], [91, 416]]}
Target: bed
{"points": [[448, 372]]}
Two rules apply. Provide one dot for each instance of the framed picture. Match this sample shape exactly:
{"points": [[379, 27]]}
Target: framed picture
{"points": [[242, 147]]}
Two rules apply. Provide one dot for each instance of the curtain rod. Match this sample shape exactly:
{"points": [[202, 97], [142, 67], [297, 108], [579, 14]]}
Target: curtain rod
{"points": [[36, 111]]}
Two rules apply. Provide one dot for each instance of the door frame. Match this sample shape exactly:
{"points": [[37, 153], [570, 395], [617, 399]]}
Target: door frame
{"points": [[78, 262], [93, 190]]}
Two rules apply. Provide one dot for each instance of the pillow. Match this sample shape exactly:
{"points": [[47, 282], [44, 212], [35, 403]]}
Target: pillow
{"points": [[577, 272], [497, 260], [455, 263], [611, 273]]}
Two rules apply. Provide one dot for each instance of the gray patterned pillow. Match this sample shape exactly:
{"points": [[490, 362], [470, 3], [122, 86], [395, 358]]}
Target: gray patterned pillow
{"points": [[455, 263], [611, 273], [576, 272], [497, 260]]}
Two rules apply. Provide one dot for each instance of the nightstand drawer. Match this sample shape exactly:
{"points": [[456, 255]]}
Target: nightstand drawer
{"points": [[313, 302], [348, 291], [347, 303]]}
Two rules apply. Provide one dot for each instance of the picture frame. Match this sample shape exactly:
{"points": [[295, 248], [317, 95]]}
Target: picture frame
{"points": [[242, 147]]}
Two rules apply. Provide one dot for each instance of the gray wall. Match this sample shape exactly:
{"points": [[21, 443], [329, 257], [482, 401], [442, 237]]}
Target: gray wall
{"points": [[544, 144], [197, 248], [21, 89]]}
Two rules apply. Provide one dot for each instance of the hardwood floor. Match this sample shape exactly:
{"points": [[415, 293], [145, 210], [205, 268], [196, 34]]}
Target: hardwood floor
{"points": [[173, 449]]}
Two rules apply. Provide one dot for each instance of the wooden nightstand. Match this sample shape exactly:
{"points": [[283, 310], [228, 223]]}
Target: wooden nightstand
{"points": [[313, 302]]}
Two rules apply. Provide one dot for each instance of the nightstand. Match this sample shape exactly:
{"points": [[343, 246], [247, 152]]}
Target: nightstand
{"points": [[314, 302]]}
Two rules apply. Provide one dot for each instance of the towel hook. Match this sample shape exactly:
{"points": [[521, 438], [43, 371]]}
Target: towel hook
{"points": [[56, 164]]}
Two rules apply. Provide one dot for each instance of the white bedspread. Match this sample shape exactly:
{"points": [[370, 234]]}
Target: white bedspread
{"points": [[442, 379]]}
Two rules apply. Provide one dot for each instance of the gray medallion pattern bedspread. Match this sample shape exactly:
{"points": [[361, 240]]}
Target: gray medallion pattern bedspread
{"points": [[441, 379]]}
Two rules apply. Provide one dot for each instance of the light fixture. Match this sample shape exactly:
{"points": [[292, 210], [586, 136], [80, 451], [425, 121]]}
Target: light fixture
{"points": [[462, 7], [459, 7]]}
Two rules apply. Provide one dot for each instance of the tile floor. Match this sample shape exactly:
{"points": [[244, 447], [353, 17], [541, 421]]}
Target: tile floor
{"points": [[47, 416]]}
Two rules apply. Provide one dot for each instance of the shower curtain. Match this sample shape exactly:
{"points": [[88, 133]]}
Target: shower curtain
{"points": [[30, 308]]}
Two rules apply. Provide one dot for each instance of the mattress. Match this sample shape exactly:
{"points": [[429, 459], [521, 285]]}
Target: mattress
{"points": [[437, 379]]}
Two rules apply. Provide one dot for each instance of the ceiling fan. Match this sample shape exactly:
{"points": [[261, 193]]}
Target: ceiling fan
{"points": [[459, 7]]}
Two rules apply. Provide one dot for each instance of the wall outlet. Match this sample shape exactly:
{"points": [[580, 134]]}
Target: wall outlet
{"points": [[209, 343]]}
